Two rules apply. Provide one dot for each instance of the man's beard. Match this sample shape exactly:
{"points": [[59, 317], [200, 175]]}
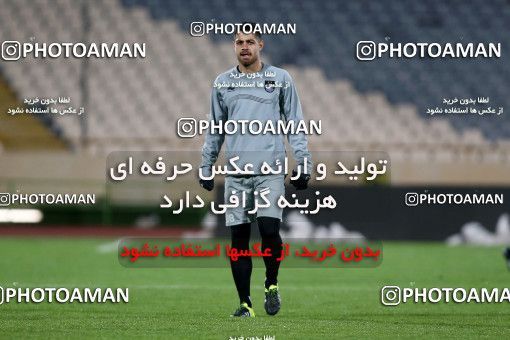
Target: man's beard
{"points": [[247, 63]]}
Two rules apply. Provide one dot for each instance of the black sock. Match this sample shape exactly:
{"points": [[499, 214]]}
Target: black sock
{"points": [[269, 228], [241, 269]]}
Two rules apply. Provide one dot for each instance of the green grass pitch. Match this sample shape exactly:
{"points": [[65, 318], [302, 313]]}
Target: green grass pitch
{"points": [[195, 303]]}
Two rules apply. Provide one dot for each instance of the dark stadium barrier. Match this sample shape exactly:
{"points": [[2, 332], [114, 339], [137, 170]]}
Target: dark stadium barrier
{"points": [[381, 213]]}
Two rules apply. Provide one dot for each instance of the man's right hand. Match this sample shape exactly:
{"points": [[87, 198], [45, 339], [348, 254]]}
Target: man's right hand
{"points": [[207, 184], [301, 183]]}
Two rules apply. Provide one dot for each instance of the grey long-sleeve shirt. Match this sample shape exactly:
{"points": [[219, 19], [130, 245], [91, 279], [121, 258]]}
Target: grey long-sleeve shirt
{"points": [[262, 103]]}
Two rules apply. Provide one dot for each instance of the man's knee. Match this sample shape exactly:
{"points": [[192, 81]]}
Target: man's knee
{"points": [[240, 235]]}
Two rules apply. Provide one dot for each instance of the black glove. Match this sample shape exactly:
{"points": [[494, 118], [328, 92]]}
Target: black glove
{"points": [[207, 184], [302, 182]]}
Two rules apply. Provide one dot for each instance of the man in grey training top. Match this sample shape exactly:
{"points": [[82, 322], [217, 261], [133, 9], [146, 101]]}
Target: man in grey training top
{"points": [[272, 98]]}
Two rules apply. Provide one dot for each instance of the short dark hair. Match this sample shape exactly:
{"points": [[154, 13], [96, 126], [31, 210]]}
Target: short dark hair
{"points": [[247, 28]]}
